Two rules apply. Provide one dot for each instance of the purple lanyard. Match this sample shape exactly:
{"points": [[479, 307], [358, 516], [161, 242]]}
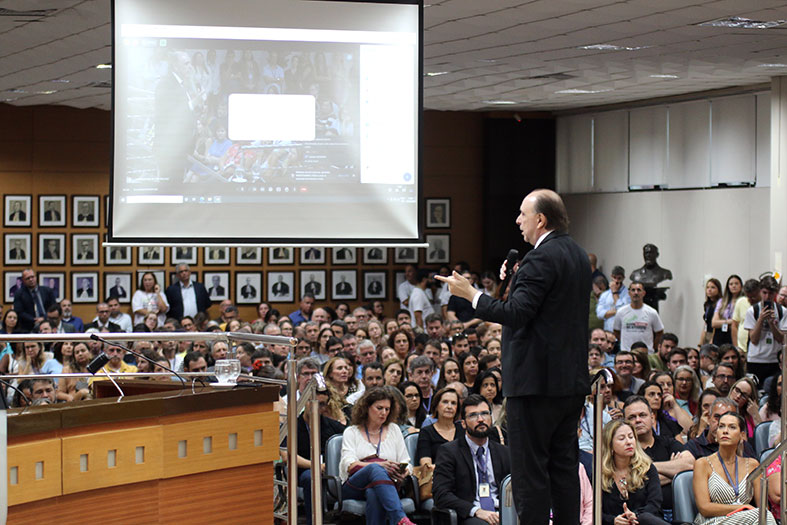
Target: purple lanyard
{"points": [[380, 439], [727, 473]]}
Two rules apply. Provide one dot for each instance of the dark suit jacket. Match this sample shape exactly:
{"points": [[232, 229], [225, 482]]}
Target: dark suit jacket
{"points": [[117, 291], [343, 288], [280, 288], [454, 483], [25, 307], [313, 287], [545, 321], [175, 299], [51, 215], [112, 326], [248, 291]]}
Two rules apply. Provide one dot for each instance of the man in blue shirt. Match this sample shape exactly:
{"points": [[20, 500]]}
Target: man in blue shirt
{"points": [[611, 300]]}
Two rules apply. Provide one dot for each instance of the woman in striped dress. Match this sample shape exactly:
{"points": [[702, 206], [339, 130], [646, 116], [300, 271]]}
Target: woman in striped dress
{"points": [[721, 490]]}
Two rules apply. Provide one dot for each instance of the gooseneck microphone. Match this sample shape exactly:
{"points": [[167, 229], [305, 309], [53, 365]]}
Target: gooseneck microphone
{"points": [[104, 360]]}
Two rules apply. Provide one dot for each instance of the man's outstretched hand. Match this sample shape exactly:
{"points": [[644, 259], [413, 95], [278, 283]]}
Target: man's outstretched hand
{"points": [[458, 286]]}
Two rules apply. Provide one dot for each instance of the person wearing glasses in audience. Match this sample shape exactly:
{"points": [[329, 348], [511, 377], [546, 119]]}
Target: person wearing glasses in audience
{"points": [[707, 443], [744, 394], [723, 378], [721, 491], [470, 469]]}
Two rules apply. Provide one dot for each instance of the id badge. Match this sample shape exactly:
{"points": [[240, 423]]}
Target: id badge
{"points": [[483, 490], [769, 340], [725, 327]]}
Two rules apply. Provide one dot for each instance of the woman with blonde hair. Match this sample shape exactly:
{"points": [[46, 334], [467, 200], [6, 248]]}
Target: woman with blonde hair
{"points": [[629, 479]]}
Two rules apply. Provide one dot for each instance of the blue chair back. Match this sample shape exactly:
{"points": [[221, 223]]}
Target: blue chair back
{"points": [[761, 436], [765, 453], [684, 506], [507, 512], [333, 454], [411, 442]]}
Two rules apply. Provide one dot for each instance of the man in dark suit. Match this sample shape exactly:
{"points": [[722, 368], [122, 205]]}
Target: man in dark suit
{"points": [[51, 213], [31, 301], [186, 297], [343, 287], [17, 213], [375, 287], [280, 288], [217, 290], [118, 290], [17, 253], [248, 291], [545, 378], [313, 287], [102, 319], [469, 470], [86, 213], [312, 254]]}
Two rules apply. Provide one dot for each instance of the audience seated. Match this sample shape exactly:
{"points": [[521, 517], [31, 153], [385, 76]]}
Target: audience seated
{"points": [[707, 443], [445, 411]]}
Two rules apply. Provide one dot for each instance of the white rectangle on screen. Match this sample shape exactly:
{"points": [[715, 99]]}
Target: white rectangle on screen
{"points": [[271, 117]]}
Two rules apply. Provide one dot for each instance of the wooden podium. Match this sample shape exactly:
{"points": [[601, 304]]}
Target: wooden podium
{"points": [[159, 458]]}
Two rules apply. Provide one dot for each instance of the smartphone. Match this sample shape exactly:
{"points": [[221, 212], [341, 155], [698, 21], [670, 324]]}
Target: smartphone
{"points": [[403, 467], [767, 304]]}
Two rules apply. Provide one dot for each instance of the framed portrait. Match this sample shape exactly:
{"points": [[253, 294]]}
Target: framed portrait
{"points": [[84, 248], [51, 210], [17, 248], [281, 255], [18, 209], [406, 255], [313, 282], [173, 277], [12, 281], [158, 274], [345, 285], [438, 213], [281, 287], [85, 211], [54, 280], [51, 248], [216, 254], [84, 287], [343, 255], [119, 284], [374, 285], [312, 255], [248, 255], [150, 255], [375, 255], [248, 287], [183, 254], [439, 250], [218, 285], [117, 255]]}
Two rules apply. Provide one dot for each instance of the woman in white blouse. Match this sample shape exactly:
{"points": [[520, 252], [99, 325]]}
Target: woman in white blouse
{"points": [[149, 299], [374, 458]]}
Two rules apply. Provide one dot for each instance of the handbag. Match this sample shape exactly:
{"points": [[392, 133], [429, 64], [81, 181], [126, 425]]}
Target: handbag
{"points": [[425, 475]]}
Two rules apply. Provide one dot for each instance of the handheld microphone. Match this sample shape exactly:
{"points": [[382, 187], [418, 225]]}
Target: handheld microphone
{"points": [[95, 337], [511, 260]]}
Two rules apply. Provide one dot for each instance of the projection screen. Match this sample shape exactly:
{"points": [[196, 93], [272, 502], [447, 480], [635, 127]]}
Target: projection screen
{"points": [[266, 122]]}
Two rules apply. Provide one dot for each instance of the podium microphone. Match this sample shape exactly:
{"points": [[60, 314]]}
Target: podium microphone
{"points": [[98, 358]]}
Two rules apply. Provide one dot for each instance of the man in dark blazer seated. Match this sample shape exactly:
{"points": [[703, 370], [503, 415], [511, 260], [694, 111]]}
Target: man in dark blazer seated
{"points": [[545, 351], [469, 470], [196, 296], [31, 301]]}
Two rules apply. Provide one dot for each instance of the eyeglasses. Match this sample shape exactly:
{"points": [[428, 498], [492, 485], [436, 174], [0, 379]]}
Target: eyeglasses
{"points": [[740, 392], [725, 377], [476, 415]]}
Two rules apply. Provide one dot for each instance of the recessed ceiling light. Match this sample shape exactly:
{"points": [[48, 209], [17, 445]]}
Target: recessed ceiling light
{"points": [[581, 91], [104, 66], [773, 65], [739, 22], [499, 102], [487, 60], [17, 90], [664, 76], [437, 73], [61, 81], [611, 47], [47, 92]]}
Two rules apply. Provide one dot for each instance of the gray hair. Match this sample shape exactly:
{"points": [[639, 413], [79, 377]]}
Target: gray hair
{"points": [[420, 362], [364, 343], [306, 362]]}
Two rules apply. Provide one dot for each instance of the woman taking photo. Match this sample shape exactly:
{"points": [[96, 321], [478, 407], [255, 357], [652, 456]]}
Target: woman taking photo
{"points": [[445, 409], [721, 491], [712, 296], [149, 299], [722, 315], [415, 405], [75, 389], [629, 480], [372, 460]]}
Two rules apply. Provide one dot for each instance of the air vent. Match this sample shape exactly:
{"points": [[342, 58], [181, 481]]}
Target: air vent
{"points": [[34, 13], [555, 76], [107, 85]]}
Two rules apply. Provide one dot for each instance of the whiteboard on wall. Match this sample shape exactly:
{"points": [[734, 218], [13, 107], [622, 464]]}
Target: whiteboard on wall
{"points": [[610, 151], [574, 154], [733, 140], [648, 147], [688, 163]]}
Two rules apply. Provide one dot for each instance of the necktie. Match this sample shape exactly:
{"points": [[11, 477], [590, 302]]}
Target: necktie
{"points": [[39, 305], [487, 503]]}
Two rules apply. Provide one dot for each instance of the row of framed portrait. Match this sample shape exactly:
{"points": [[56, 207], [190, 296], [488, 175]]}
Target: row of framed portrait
{"points": [[85, 250], [52, 211], [248, 287]]}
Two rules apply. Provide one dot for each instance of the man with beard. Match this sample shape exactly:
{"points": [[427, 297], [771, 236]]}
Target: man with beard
{"points": [[470, 469]]}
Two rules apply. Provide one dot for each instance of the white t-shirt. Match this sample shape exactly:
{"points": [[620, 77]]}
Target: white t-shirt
{"points": [[637, 325], [403, 292], [419, 302], [764, 351]]}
